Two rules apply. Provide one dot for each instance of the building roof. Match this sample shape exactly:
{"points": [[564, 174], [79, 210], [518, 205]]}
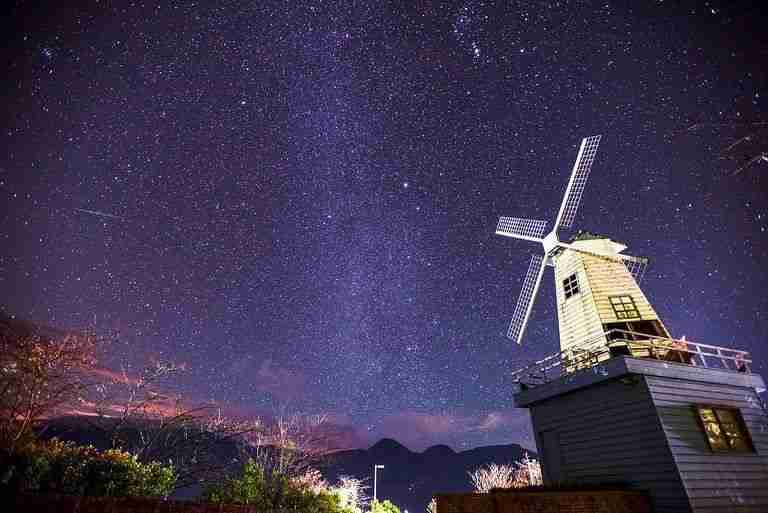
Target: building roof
{"points": [[584, 235]]}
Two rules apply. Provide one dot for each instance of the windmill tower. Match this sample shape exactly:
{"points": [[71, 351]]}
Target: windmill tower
{"points": [[596, 285], [623, 401]]}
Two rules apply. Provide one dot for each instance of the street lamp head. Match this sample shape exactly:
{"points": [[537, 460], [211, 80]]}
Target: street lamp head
{"points": [[379, 466]]}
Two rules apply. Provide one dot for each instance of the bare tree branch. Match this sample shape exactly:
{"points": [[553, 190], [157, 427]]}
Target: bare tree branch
{"points": [[763, 157], [526, 472], [197, 439], [41, 371], [749, 149]]}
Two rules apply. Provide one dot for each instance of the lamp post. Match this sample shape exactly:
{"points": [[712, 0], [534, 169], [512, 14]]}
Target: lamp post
{"points": [[375, 471]]}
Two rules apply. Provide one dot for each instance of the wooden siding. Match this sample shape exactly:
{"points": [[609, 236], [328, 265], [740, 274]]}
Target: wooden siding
{"points": [[577, 316], [613, 279], [714, 481], [581, 317], [610, 432]]}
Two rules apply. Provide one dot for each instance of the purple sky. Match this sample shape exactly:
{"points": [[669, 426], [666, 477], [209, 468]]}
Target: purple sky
{"points": [[298, 200]]}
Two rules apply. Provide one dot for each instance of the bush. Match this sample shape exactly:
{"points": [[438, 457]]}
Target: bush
{"points": [[384, 507], [58, 467], [270, 491], [523, 473]]}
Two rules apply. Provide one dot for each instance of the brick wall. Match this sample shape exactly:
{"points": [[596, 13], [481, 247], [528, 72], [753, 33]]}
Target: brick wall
{"points": [[502, 502], [71, 504], [545, 502]]}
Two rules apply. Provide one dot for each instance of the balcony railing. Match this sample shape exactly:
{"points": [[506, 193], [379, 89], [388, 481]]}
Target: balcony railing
{"points": [[637, 345]]}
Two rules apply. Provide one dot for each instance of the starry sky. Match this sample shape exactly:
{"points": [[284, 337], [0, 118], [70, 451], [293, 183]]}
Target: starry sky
{"points": [[297, 200]]}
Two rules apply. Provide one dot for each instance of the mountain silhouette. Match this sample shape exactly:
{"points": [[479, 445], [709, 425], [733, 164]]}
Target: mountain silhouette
{"points": [[410, 479]]}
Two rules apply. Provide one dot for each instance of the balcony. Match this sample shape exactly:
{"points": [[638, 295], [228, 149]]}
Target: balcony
{"points": [[615, 342]]}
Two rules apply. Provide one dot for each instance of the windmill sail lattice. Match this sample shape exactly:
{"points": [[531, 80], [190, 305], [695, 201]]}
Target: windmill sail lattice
{"points": [[527, 297], [528, 228], [578, 181], [635, 265]]}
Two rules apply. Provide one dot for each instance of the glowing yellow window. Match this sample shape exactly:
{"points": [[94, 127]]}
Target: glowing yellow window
{"points": [[724, 428]]}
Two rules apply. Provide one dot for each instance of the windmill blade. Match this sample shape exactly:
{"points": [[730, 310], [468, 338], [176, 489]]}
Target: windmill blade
{"points": [[578, 181], [526, 299], [519, 228]]}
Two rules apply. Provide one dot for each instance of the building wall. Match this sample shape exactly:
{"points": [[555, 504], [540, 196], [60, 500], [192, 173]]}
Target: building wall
{"points": [[577, 316], [608, 432], [582, 316], [714, 481], [614, 279]]}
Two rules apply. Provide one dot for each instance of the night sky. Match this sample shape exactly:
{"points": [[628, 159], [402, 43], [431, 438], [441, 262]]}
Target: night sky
{"points": [[298, 200]]}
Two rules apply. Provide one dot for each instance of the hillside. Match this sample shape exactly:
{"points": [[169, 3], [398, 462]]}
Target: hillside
{"points": [[409, 479]]}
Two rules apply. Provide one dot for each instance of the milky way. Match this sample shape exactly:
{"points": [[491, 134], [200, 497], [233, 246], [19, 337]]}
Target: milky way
{"points": [[299, 198]]}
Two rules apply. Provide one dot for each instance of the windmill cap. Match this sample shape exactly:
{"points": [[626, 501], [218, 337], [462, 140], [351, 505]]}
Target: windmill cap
{"points": [[584, 235], [587, 236]]}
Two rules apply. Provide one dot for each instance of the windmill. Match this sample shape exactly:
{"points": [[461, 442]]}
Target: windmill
{"points": [[623, 400], [596, 285]]}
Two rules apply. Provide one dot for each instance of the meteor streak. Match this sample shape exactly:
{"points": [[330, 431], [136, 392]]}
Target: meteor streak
{"points": [[99, 214]]}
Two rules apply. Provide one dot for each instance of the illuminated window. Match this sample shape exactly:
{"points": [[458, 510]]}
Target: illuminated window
{"points": [[624, 307], [724, 428], [571, 286]]}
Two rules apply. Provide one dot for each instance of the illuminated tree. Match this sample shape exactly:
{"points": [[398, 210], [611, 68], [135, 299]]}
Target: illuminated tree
{"points": [[492, 476], [384, 507], [272, 491], [292, 444], [42, 371], [526, 472], [351, 492]]}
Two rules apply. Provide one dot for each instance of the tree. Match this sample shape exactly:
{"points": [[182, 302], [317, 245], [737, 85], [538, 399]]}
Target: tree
{"points": [[141, 415], [291, 445], [272, 491], [351, 492], [490, 476], [526, 472], [384, 507], [42, 370]]}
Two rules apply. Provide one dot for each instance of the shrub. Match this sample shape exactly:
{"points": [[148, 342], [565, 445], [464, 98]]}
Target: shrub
{"points": [[58, 467], [273, 491], [384, 507], [526, 472], [492, 476]]}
